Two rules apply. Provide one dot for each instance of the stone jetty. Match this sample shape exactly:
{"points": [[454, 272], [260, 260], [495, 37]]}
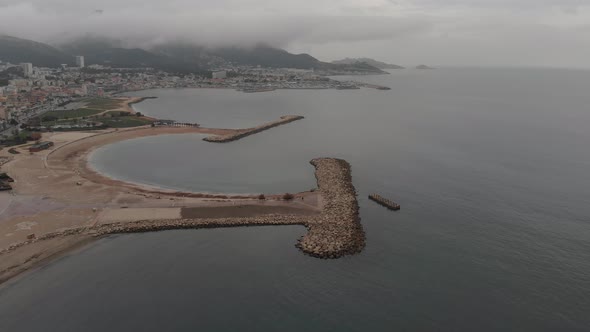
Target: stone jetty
{"points": [[238, 134], [139, 100], [332, 234], [337, 231], [385, 202]]}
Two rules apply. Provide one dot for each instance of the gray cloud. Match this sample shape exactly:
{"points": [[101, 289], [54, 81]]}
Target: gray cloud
{"points": [[440, 32], [207, 24]]}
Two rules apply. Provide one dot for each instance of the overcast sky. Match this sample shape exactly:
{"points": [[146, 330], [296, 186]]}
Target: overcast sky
{"points": [[552, 33]]}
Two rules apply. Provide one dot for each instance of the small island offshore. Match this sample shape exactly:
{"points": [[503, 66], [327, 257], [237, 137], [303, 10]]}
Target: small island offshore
{"points": [[65, 204]]}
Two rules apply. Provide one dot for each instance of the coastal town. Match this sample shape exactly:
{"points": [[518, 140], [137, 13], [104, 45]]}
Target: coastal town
{"points": [[295, 165], [42, 98], [53, 119]]}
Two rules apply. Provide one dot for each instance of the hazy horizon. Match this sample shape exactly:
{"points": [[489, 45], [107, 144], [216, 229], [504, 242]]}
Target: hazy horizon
{"points": [[449, 33]]}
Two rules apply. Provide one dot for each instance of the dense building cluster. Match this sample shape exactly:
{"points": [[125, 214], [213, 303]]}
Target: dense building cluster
{"points": [[27, 91]]}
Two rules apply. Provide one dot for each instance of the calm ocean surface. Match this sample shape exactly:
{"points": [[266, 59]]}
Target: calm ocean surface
{"points": [[491, 168]]}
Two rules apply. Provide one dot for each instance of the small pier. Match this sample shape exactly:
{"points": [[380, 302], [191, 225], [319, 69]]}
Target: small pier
{"points": [[241, 133], [385, 202]]}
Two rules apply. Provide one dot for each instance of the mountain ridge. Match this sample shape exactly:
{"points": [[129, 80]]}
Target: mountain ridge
{"points": [[369, 61], [17, 50], [170, 57]]}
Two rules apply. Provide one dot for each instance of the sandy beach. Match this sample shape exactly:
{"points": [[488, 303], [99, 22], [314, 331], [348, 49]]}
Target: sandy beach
{"points": [[56, 190]]}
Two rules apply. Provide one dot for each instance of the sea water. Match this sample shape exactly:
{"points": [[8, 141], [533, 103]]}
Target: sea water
{"points": [[490, 167]]}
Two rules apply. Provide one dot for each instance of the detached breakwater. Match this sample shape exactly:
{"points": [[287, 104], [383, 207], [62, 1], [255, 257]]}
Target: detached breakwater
{"points": [[241, 133], [334, 233], [384, 202]]}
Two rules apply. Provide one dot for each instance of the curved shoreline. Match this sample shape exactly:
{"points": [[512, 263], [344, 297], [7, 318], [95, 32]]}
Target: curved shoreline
{"points": [[215, 135], [82, 164], [334, 233], [339, 219], [75, 156], [75, 203], [56, 189]]}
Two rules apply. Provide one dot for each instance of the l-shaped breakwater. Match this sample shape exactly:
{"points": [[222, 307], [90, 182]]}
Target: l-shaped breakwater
{"points": [[241, 133], [334, 233]]}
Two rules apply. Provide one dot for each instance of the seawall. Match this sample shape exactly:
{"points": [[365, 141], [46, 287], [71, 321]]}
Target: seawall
{"points": [[238, 134]]}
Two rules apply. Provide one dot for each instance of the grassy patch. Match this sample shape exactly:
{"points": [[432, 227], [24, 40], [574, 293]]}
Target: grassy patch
{"points": [[70, 114], [92, 107], [124, 121], [116, 113], [100, 122]]}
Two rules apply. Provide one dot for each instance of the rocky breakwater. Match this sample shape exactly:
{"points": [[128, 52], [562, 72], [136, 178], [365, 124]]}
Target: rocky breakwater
{"points": [[162, 225], [139, 100], [337, 231], [238, 134]]}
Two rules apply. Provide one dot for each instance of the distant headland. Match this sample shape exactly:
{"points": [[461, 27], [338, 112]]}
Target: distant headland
{"points": [[424, 67], [369, 61]]}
